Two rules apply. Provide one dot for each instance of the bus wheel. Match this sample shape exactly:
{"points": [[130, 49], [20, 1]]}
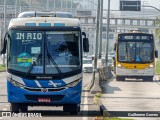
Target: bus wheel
{"points": [[149, 78], [72, 108], [14, 107], [23, 108], [120, 78]]}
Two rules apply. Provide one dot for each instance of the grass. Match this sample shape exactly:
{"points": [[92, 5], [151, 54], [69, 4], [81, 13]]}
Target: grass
{"points": [[117, 119], [2, 68], [96, 101], [97, 97], [112, 118], [158, 67]]}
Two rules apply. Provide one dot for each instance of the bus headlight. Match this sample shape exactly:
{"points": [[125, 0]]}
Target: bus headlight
{"points": [[119, 65], [17, 84], [151, 65], [72, 84]]}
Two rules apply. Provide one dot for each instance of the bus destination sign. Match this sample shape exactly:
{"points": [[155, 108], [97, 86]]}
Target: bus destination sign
{"points": [[135, 37]]}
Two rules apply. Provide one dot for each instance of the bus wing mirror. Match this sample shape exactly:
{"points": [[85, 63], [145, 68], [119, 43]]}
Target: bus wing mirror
{"points": [[156, 54], [85, 45], [114, 46], [4, 44]]}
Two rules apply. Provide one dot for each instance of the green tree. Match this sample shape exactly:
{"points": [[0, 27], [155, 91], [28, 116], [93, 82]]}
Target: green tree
{"points": [[157, 30]]}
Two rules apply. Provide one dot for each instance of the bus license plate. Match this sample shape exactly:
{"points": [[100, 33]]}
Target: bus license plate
{"points": [[44, 100]]}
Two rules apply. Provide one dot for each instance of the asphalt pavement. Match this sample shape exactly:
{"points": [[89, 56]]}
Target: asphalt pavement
{"points": [[131, 98]]}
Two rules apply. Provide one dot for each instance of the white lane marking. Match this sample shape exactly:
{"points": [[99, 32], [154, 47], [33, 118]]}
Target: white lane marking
{"points": [[85, 108], [38, 84], [1, 118]]}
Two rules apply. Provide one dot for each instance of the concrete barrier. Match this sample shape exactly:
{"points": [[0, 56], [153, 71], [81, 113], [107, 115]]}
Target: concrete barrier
{"points": [[105, 73]]}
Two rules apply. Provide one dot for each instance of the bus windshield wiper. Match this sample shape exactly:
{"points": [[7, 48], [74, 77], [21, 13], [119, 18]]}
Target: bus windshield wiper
{"points": [[30, 69], [53, 62]]}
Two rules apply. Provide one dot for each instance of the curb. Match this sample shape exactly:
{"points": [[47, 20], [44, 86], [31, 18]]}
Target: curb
{"points": [[3, 71], [103, 109]]}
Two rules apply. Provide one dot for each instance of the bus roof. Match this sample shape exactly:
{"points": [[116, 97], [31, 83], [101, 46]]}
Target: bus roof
{"points": [[44, 21]]}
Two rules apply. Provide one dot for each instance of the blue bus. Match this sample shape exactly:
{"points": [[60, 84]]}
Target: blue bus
{"points": [[44, 61]]}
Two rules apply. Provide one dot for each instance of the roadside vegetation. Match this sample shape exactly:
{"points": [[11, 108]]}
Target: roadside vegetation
{"points": [[111, 118], [117, 119], [158, 67], [2, 68]]}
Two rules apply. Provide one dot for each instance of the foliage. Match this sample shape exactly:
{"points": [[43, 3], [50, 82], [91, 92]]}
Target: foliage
{"points": [[158, 29], [99, 95], [117, 118], [2, 68], [111, 118], [158, 67]]}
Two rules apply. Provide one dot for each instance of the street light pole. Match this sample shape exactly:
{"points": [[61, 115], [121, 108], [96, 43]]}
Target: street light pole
{"points": [[96, 45], [97, 37], [61, 6], [100, 29], [47, 5], [72, 7], [107, 41], [4, 27], [15, 8], [54, 5]]}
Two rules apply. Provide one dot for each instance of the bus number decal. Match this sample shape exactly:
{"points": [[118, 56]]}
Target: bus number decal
{"points": [[128, 37]]}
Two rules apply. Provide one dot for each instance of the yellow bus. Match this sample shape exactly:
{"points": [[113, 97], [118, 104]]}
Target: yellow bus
{"points": [[135, 56]]}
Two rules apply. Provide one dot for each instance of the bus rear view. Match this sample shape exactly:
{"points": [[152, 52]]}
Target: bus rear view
{"points": [[135, 56]]}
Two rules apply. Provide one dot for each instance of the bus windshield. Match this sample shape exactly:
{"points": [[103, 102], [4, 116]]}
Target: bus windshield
{"points": [[49, 50], [135, 52], [63, 47]]}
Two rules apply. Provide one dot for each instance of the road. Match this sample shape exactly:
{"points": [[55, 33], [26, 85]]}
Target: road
{"points": [[131, 95], [88, 109]]}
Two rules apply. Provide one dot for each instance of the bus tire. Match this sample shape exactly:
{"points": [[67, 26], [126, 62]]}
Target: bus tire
{"points": [[14, 107], [23, 108], [148, 79], [120, 78], [72, 108]]}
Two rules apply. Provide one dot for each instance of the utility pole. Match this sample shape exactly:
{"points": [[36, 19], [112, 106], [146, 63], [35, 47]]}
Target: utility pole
{"points": [[100, 29], [97, 37], [66, 6], [4, 27], [47, 5], [61, 6], [54, 5], [15, 8], [72, 7], [107, 41], [93, 84]]}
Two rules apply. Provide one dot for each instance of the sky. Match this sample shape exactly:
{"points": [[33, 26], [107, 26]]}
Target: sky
{"points": [[115, 3]]}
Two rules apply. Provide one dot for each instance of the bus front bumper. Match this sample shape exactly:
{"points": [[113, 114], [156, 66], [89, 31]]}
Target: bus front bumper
{"points": [[66, 96], [134, 72]]}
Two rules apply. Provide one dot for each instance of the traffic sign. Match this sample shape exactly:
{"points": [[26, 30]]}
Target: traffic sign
{"points": [[84, 13], [130, 5]]}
